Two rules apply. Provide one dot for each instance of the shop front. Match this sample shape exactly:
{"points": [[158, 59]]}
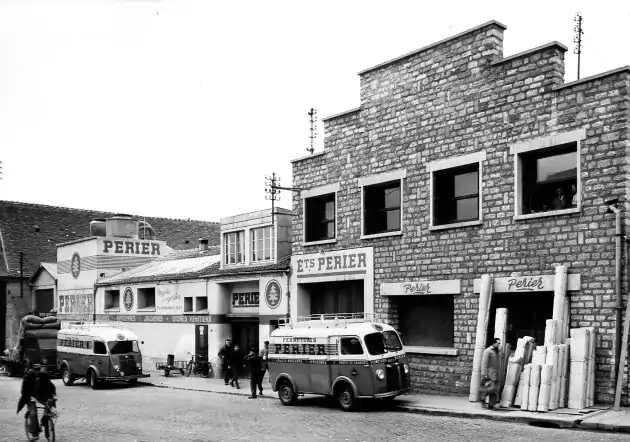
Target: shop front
{"points": [[329, 282]]}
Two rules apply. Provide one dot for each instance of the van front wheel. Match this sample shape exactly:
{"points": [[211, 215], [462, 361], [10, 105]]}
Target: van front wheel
{"points": [[66, 377], [93, 380], [346, 398], [286, 394]]}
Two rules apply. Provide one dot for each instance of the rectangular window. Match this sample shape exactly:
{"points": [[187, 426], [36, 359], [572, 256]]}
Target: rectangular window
{"points": [[427, 320], [146, 298], [549, 179], [112, 299], [263, 244], [234, 247], [456, 195], [320, 214], [188, 304], [202, 303], [381, 208]]}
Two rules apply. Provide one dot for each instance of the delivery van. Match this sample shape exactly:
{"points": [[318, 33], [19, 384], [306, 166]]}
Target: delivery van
{"points": [[98, 353], [345, 356]]}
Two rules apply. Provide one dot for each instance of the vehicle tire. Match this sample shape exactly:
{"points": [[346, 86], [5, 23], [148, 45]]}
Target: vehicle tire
{"points": [[286, 393], [10, 370], [181, 371], [190, 367], [167, 372], [133, 381], [49, 430], [346, 398], [93, 380], [66, 377]]}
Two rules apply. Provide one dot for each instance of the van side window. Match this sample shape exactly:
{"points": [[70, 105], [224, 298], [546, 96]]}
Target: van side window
{"points": [[99, 348], [351, 346]]}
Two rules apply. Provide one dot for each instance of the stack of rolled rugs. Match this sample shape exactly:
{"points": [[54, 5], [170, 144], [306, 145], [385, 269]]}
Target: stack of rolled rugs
{"points": [[513, 379], [582, 379]]}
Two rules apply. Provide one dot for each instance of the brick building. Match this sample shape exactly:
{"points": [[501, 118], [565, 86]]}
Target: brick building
{"points": [[461, 162]]}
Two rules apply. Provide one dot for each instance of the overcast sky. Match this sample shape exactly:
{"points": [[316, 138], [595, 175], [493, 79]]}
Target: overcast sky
{"points": [[180, 108]]}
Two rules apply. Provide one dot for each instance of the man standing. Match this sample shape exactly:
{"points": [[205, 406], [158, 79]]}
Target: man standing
{"points": [[490, 374], [235, 361], [226, 355], [255, 365], [264, 354]]}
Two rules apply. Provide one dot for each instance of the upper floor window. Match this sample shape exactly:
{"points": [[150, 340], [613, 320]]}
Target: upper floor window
{"points": [[234, 247], [382, 208], [547, 174], [456, 195], [320, 213], [263, 244]]}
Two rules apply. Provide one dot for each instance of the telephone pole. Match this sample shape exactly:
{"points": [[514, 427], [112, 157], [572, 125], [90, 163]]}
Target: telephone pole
{"points": [[272, 192], [577, 39]]}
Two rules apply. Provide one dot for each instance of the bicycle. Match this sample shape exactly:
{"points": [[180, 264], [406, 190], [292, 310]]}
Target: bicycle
{"points": [[198, 365], [47, 423]]}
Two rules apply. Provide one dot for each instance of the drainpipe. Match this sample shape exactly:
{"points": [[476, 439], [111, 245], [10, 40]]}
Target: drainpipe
{"points": [[613, 208], [94, 305]]}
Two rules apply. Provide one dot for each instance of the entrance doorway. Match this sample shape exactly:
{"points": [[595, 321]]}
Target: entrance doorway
{"points": [[527, 315], [336, 297], [44, 300], [245, 335], [201, 341]]}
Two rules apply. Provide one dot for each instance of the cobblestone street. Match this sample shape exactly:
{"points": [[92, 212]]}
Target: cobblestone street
{"points": [[146, 413]]}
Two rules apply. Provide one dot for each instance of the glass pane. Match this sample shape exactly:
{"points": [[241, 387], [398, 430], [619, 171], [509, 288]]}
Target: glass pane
{"points": [[267, 247], [393, 220], [329, 210], [466, 184], [330, 230], [468, 209], [557, 167], [392, 197]]}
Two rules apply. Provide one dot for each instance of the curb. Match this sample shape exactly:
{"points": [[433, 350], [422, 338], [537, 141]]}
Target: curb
{"points": [[230, 393], [605, 427]]}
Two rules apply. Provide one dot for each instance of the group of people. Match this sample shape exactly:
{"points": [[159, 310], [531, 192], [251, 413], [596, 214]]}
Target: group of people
{"points": [[234, 360]]}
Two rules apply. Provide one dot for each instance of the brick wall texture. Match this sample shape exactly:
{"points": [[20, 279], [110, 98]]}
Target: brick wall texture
{"points": [[458, 97]]}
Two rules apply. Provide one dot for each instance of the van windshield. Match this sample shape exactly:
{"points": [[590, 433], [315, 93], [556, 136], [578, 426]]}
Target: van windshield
{"points": [[381, 343], [392, 341], [120, 347], [47, 344]]}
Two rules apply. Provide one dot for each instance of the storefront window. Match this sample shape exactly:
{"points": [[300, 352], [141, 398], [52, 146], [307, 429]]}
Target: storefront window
{"points": [[263, 244], [234, 247], [427, 320]]}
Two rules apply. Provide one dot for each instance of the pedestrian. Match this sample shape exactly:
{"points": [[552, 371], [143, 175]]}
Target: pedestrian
{"points": [[264, 354], [255, 365], [490, 375], [236, 361], [225, 353]]}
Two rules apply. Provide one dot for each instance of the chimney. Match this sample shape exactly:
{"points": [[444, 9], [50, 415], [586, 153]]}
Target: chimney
{"points": [[203, 244]]}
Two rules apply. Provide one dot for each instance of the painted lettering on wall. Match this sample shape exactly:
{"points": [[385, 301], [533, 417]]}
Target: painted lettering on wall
{"points": [[344, 261], [249, 299], [419, 288], [168, 301], [180, 319], [130, 247], [526, 284], [82, 303], [300, 349]]}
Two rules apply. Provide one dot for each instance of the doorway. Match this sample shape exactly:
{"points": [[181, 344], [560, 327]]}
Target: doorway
{"points": [[336, 297], [201, 341], [245, 335], [527, 315], [44, 300]]}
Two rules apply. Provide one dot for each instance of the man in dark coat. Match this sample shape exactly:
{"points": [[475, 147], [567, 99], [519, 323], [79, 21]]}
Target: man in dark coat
{"points": [[264, 354], [255, 365], [490, 374], [28, 389], [226, 354], [236, 361]]}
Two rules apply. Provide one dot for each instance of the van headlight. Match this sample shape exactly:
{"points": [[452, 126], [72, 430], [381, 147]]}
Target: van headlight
{"points": [[139, 365], [44, 361], [406, 369], [380, 374], [116, 367]]}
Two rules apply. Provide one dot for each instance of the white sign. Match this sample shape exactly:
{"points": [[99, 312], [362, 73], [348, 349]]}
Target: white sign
{"points": [[443, 287], [524, 284], [334, 261], [168, 300]]}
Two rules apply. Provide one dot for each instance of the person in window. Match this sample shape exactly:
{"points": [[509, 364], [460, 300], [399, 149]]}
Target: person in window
{"points": [[575, 195], [490, 375], [559, 202]]}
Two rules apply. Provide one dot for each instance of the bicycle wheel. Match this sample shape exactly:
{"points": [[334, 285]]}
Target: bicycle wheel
{"points": [[49, 429], [27, 427]]}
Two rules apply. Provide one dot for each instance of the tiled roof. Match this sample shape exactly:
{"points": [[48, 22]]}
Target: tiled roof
{"points": [[201, 266], [36, 229]]}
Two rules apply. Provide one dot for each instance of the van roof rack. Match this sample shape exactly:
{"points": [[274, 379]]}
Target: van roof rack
{"points": [[326, 320], [86, 325]]}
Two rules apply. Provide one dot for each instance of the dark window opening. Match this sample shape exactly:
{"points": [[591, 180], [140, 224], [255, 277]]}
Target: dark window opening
{"points": [[188, 304], [381, 204], [319, 212], [456, 195], [351, 346], [427, 320], [549, 179], [202, 303], [392, 342], [120, 347], [99, 348], [375, 344], [112, 299], [336, 297], [146, 298]]}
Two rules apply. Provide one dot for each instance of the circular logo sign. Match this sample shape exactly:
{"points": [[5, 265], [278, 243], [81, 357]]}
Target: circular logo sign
{"points": [[128, 301], [273, 294], [75, 265]]}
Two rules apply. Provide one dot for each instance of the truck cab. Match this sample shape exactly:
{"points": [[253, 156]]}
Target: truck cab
{"points": [[40, 347]]}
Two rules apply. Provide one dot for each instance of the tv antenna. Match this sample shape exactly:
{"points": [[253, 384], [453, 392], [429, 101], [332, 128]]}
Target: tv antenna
{"points": [[577, 39], [313, 115]]}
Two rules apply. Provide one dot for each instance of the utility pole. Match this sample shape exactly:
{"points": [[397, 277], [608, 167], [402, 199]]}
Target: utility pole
{"points": [[577, 39], [21, 274], [272, 192], [313, 115]]}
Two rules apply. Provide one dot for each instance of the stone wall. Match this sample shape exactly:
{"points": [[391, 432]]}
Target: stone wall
{"points": [[457, 97]]}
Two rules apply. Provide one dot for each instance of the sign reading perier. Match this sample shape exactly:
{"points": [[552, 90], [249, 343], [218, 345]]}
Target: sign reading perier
{"points": [[129, 247], [440, 287], [246, 299], [335, 261]]}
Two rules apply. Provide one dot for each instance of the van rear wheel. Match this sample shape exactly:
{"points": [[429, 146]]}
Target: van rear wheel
{"points": [[93, 380], [346, 399], [66, 377], [286, 393]]}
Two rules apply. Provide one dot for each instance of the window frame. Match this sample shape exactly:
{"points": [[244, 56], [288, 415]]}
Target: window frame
{"points": [[353, 355], [224, 244], [454, 163], [273, 243], [141, 294], [375, 180], [318, 192], [538, 145], [107, 292]]}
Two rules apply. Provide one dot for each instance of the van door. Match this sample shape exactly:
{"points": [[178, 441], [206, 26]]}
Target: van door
{"points": [[354, 364], [100, 358]]}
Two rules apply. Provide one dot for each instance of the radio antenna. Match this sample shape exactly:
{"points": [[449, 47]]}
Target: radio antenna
{"points": [[577, 39], [313, 115]]}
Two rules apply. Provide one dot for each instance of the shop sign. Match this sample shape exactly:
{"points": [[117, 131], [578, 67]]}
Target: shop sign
{"points": [[75, 265], [177, 319], [442, 287], [128, 299], [525, 284], [121, 247], [332, 262], [167, 301], [249, 299], [273, 294], [76, 302]]}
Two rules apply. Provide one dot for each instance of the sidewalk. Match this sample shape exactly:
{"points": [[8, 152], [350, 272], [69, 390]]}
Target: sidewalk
{"points": [[600, 417]]}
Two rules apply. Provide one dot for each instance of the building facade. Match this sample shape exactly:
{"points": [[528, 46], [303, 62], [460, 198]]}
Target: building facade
{"points": [[461, 162]]}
